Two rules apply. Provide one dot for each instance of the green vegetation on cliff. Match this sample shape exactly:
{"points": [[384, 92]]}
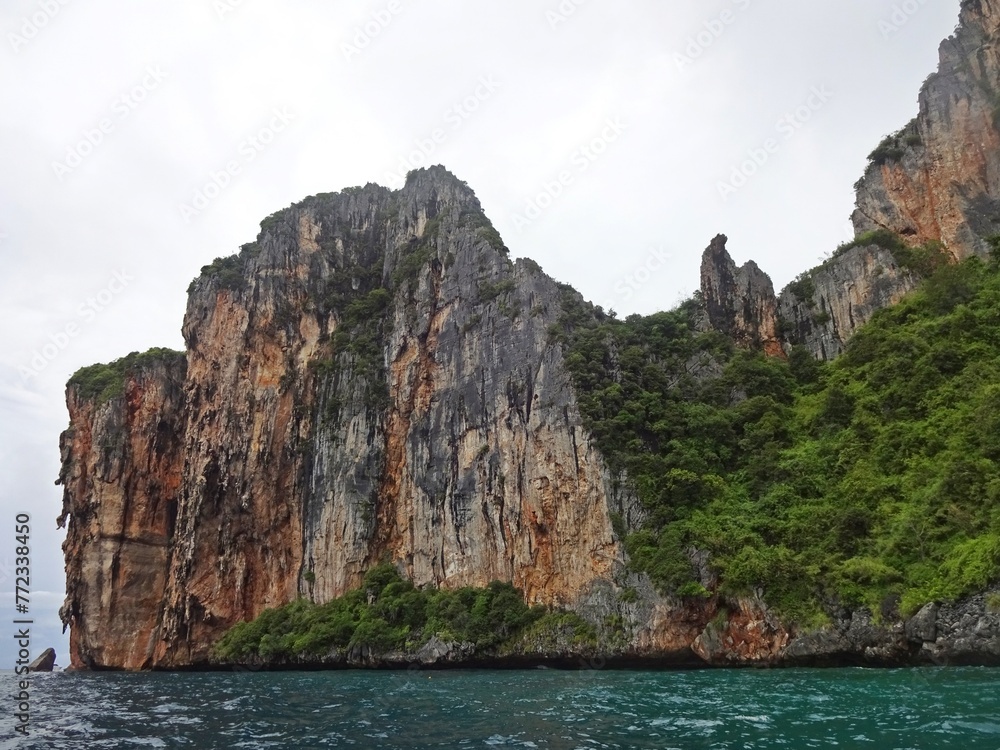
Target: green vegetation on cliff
{"points": [[230, 272], [362, 301], [873, 480], [102, 382], [894, 146], [922, 260], [388, 614]]}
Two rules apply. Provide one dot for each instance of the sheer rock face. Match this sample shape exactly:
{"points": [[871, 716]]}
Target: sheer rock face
{"points": [[844, 294], [945, 183], [122, 472], [284, 461]]}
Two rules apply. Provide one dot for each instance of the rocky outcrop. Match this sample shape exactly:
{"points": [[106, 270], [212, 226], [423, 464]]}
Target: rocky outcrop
{"points": [[739, 302], [709, 632], [963, 633], [938, 179], [371, 379], [744, 635], [820, 311], [122, 463], [45, 661]]}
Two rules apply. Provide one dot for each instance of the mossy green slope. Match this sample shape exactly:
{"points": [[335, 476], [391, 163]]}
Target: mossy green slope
{"points": [[103, 382], [387, 614], [872, 480]]}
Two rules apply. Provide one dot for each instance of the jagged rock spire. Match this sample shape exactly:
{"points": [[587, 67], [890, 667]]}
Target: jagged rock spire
{"points": [[740, 302]]}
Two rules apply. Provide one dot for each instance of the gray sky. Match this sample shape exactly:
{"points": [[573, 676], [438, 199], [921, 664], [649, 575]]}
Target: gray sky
{"points": [[598, 135]]}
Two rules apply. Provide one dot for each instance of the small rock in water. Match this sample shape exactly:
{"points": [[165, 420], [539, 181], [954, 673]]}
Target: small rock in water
{"points": [[45, 662]]}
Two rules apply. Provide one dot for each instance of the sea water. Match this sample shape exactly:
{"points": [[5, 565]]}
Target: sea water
{"points": [[579, 710]]}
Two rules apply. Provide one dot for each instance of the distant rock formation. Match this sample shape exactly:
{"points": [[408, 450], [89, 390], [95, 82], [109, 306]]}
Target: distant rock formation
{"points": [[739, 302], [820, 312], [823, 310], [936, 180]]}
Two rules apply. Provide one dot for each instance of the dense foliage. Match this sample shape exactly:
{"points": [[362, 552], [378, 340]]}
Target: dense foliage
{"points": [[229, 272], [923, 260], [893, 147], [387, 614], [872, 480], [103, 382]]}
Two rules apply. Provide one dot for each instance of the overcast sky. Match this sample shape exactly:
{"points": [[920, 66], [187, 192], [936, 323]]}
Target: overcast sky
{"points": [[600, 136]]}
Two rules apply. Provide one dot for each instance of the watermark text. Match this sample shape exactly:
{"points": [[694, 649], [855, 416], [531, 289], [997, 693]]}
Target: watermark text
{"points": [[22, 623]]}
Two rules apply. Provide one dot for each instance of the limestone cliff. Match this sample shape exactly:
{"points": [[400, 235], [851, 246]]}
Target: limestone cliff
{"points": [[371, 379], [939, 178], [122, 471], [823, 309]]}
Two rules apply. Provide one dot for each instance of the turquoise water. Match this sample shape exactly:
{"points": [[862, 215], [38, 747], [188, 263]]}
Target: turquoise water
{"points": [[850, 708]]}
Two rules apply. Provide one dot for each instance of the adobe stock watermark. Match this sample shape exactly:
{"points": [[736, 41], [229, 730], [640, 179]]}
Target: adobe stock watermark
{"points": [[712, 31], [121, 107], [225, 7], [900, 16], [454, 117], [31, 26], [581, 161], [657, 258], [367, 32], [249, 149], [86, 313], [562, 13], [787, 126]]}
